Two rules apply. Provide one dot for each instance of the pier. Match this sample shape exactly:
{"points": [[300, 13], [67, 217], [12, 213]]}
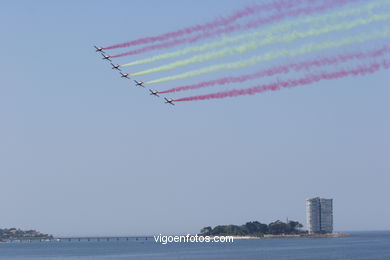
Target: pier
{"points": [[80, 239]]}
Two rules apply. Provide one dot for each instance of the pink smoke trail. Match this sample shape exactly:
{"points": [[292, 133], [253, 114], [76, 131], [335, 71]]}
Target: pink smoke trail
{"points": [[250, 10], [305, 65], [229, 29], [360, 70]]}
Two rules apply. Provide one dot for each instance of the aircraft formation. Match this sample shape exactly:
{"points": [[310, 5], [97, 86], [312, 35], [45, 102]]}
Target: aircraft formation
{"points": [[127, 75], [277, 44]]}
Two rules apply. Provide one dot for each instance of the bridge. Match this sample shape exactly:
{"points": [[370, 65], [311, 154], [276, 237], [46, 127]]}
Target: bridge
{"points": [[89, 238]]}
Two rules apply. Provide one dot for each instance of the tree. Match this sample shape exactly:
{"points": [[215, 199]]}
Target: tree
{"points": [[206, 231], [256, 227]]}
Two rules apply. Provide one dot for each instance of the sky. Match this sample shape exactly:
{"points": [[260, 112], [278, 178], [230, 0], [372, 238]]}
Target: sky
{"points": [[83, 152]]}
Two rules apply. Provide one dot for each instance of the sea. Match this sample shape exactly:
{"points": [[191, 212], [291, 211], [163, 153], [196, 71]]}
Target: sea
{"points": [[361, 245]]}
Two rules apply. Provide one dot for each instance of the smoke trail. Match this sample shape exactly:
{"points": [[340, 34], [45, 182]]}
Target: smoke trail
{"points": [[250, 25], [305, 65], [282, 27], [309, 79], [253, 45], [274, 55], [247, 11]]}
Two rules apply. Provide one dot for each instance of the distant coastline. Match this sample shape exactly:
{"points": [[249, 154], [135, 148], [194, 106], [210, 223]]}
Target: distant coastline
{"points": [[256, 230], [13, 234], [145, 238], [330, 235]]}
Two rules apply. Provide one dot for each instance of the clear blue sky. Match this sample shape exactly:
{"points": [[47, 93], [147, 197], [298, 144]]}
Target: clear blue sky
{"points": [[85, 153]]}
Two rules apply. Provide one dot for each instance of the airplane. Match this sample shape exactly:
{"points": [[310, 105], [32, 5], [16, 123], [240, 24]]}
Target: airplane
{"points": [[100, 49], [126, 75], [106, 57], [154, 92], [116, 66], [169, 101], [139, 83]]}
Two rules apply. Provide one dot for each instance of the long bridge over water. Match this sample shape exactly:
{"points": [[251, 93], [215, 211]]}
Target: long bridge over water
{"points": [[88, 238]]}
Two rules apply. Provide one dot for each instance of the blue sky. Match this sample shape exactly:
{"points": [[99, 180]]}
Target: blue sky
{"points": [[85, 153]]}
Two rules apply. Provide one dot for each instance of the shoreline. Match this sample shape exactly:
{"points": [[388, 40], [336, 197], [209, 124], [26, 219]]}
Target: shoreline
{"points": [[141, 238], [331, 235]]}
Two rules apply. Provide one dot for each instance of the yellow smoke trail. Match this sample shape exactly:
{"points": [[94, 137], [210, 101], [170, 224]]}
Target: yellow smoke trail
{"points": [[278, 54], [270, 40], [282, 27]]}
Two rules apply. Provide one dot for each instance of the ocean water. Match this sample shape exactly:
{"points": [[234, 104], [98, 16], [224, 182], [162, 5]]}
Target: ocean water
{"points": [[370, 246]]}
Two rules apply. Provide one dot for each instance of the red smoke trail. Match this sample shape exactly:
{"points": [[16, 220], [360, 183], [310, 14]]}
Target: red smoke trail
{"points": [[250, 25], [250, 10], [361, 70], [305, 65]]}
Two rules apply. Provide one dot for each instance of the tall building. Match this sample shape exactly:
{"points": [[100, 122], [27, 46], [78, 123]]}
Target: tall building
{"points": [[319, 215]]}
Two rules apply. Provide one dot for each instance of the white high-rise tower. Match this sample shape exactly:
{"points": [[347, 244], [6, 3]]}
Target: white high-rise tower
{"points": [[319, 215]]}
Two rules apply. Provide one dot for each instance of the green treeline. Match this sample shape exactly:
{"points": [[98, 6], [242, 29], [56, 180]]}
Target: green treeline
{"points": [[255, 228]]}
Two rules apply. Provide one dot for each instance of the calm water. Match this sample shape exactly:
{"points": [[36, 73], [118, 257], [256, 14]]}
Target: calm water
{"points": [[372, 246]]}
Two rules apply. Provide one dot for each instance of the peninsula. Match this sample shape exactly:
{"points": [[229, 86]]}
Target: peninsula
{"points": [[255, 229], [10, 234]]}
